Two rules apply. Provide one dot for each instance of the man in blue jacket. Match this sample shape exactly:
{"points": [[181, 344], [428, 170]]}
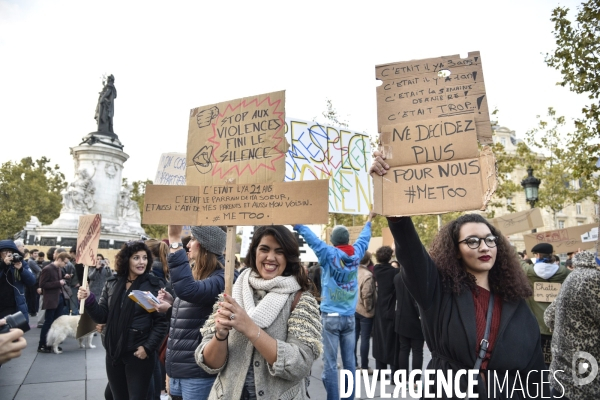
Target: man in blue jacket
{"points": [[14, 276], [339, 294]]}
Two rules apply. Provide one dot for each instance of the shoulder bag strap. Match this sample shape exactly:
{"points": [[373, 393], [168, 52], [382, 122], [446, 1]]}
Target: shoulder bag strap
{"points": [[483, 346], [296, 300]]}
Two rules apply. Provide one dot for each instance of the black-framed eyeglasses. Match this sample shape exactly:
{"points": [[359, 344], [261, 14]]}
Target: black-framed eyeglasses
{"points": [[474, 242]]}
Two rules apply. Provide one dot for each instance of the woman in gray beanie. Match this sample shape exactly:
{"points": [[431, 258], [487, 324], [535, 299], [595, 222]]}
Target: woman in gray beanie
{"points": [[197, 283]]}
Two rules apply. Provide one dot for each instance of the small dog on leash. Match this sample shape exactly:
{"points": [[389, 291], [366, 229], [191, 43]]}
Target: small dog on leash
{"points": [[63, 327]]}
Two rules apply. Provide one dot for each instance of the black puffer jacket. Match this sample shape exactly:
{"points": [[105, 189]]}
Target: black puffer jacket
{"points": [[147, 329], [191, 309]]}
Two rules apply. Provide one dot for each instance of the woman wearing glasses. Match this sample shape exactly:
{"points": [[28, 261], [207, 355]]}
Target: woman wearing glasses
{"points": [[132, 333], [471, 270]]}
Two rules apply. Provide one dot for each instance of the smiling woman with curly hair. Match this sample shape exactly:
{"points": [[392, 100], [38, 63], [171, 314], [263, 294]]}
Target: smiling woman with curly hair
{"points": [[471, 295]]}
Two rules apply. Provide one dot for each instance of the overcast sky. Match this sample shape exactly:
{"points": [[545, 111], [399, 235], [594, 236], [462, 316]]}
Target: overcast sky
{"points": [[169, 57]]}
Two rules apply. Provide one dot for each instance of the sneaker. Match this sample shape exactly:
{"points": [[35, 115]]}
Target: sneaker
{"points": [[44, 349]]}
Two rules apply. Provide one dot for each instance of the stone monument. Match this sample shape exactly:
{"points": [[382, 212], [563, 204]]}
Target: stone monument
{"points": [[96, 188]]}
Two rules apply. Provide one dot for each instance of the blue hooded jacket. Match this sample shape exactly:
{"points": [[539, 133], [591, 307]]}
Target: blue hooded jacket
{"points": [[23, 277], [339, 279]]}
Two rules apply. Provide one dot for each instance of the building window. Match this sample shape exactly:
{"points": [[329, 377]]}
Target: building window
{"points": [[596, 208], [509, 201], [561, 224], [579, 223], [503, 141], [578, 208]]}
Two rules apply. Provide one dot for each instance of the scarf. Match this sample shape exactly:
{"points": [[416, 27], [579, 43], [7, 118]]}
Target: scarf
{"points": [[278, 291], [346, 248], [120, 317]]}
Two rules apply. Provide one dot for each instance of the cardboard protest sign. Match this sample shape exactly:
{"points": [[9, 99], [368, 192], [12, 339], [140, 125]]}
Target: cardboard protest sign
{"points": [[563, 240], [88, 238], [518, 222], [387, 238], [435, 188], [171, 169], [245, 204], [545, 292], [338, 154], [86, 325], [237, 141], [434, 88]]}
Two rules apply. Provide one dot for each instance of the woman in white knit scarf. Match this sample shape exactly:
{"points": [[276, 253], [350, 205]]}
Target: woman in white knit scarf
{"points": [[263, 339]]}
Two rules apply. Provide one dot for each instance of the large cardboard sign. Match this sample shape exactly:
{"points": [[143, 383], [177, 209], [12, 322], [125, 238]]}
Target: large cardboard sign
{"points": [[88, 238], [563, 240], [431, 88], [338, 154], [518, 222], [237, 141], [245, 204], [435, 188], [387, 238]]}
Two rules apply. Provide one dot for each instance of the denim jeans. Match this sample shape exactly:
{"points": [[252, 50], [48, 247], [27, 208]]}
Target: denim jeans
{"points": [[364, 326], [51, 315], [191, 388], [337, 330]]}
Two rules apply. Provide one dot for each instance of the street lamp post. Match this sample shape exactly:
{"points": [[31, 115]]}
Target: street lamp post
{"points": [[531, 184]]}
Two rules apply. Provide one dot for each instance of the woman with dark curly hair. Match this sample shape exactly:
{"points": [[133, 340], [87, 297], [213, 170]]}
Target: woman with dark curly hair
{"points": [[262, 340], [132, 333], [472, 269]]}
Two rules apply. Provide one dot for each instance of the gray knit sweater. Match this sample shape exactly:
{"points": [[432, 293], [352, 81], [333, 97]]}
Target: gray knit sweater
{"points": [[298, 336]]}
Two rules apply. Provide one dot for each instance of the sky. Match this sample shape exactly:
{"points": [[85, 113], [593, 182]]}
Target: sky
{"points": [[169, 57]]}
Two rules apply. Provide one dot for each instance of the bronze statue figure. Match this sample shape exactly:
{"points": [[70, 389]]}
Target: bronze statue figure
{"points": [[105, 110]]}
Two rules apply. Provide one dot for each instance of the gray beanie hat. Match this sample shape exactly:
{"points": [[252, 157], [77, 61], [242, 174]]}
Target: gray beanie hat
{"points": [[340, 235], [212, 238]]}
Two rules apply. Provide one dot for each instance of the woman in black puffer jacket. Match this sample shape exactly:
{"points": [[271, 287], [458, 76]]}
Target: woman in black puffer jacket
{"points": [[132, 333], [197, 288]]}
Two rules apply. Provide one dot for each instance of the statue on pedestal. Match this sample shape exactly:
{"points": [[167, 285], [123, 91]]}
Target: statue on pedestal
{"points": [[79, 195], [105, 110], [128, 209]]}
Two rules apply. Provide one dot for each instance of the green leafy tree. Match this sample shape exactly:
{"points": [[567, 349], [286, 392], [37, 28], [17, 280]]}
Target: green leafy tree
{"points": [[137, 194], [29, 188], [561, 185], [505, 166], [577, 58]]}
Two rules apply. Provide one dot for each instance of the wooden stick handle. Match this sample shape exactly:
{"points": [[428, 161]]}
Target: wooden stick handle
{"points": [[229, 259], [84, 285]]}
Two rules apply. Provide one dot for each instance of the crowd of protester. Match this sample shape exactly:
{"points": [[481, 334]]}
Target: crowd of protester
{"points": [[469, 297]]}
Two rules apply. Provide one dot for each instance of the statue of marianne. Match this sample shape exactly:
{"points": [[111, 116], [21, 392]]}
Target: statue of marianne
{"points": [[105, 110]]}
